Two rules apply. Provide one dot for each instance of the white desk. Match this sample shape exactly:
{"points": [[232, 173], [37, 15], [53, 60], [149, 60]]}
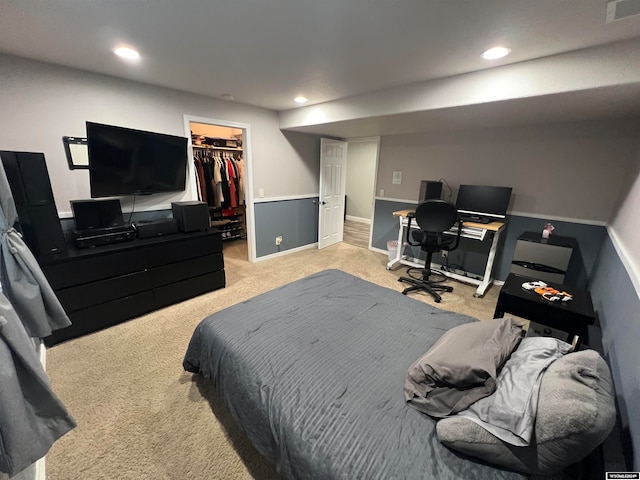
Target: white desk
{"points": [[475, 231]]}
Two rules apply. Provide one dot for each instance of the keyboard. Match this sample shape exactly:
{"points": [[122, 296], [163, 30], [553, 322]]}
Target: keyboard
{"points": [[472, 218]]}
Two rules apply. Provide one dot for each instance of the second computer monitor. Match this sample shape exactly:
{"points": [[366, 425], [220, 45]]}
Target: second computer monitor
{"points": [[483, 201], [430, 189]]}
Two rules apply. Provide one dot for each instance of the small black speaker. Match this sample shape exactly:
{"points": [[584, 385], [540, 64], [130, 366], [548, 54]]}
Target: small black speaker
{"points": [[191, 216], [156, 228], [31, 189], [85, 214], [430, 189], [92, 214], [110, 213], [41, 229]]}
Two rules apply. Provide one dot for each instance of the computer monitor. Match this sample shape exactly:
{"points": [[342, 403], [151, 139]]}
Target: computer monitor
{"points": [[483, 201], [430, 189]]}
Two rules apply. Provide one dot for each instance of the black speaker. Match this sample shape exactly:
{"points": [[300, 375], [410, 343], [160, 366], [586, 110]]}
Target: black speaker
{"points": [[191, 216], [92, 214], [156, 228], [110, 213], [37, 213], [41, 229], [86, 214], [429, 189]]}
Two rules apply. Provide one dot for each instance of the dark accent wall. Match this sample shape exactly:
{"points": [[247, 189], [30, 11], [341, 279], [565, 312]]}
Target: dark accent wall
{"points": [[295, 220], [617, 305], [385, 225]]}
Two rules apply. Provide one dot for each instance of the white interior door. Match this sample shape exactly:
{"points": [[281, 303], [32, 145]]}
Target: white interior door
{"points": [[333, 175]]}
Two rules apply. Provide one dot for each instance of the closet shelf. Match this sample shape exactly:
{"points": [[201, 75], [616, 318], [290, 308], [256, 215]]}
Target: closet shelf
{"points": [[211, 147]]}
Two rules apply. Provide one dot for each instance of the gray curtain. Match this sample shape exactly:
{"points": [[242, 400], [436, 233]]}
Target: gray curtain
{"points": [[32, 418], [22, 279]]}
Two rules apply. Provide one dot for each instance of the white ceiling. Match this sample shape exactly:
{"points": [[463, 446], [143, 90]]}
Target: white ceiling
{"points": [[265, 53]]}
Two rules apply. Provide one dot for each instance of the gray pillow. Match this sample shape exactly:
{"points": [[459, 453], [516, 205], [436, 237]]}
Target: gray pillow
{"points": [[460, 368], [576, 412]]}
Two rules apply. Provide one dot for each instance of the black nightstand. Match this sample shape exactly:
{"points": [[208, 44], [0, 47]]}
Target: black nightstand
{"points": [[572, 317]]}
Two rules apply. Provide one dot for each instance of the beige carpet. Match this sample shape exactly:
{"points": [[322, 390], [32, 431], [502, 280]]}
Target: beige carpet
{"points": [[140, 416]]}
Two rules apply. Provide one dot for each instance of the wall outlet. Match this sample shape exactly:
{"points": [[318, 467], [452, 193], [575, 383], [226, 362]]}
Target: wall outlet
{"points": [[278, 239], [444, 253]]}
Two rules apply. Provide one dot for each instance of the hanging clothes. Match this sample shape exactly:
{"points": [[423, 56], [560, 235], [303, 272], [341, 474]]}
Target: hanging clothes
{"points": [[202, 194], [217, 179], [220, 178], [233, 189], [240, 166]]}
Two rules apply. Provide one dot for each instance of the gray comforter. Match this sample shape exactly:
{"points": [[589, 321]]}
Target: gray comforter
{"points": [[313, 373]]}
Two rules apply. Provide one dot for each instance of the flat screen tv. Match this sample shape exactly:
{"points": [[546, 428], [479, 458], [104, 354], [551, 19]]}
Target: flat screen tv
{"points": [[483, 201], [123, 161]]}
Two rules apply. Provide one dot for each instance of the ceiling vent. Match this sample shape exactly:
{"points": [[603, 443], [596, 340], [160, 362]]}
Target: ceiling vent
{"points": [[621, 9]]}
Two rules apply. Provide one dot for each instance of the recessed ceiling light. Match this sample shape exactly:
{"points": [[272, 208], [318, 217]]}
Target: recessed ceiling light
{"points": [[495, 53], [127, 52], [300, 100]]}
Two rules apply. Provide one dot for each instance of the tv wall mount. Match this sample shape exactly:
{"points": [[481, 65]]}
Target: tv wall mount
{"points": [[77, 152]]}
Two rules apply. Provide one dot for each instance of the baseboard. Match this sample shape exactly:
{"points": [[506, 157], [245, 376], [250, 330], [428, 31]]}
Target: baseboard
{"points": [[286, 252], [359, 219]]}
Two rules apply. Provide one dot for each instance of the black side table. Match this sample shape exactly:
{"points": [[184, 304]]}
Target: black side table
{"points": [[572, 317]]}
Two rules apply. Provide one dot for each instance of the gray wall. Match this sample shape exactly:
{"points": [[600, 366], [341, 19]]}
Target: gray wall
{"points": [[617, 304], [576, 171], [41, 103], [361, 174], [295, 220]]}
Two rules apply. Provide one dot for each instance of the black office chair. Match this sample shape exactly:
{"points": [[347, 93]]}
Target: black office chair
{"points": [[434, 217]]}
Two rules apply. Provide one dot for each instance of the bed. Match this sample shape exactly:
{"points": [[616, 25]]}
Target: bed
{"points": [[313, 374]]}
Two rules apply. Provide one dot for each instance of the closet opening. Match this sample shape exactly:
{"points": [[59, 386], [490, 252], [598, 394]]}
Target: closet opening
{"points": [[221, 178]]}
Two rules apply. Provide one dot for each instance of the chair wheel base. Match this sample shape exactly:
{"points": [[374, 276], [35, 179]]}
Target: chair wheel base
{"points": [[425, 285]]}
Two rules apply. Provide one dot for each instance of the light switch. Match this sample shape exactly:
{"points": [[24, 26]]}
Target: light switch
{"points": [[397, 178], [261, 192], [382, 192]]}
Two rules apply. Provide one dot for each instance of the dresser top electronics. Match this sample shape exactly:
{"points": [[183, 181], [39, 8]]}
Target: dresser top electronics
{"points": [[103, 236]]}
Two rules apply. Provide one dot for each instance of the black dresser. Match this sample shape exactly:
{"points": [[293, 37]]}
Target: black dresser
{"points": [[102, 286]]}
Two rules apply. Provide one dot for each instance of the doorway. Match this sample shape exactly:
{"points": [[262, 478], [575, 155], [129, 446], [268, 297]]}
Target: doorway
{"points": [[362, 167], [220, 175]]}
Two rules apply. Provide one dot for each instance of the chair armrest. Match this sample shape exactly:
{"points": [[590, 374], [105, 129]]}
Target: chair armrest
{"points": [[455, 245], [410, 217]]}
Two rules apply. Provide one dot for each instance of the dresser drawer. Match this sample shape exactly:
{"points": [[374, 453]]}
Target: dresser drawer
{"points": [[179, 291], [93, 268], [184, 249], [96, 293], [186, 269], [104, 315]]}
